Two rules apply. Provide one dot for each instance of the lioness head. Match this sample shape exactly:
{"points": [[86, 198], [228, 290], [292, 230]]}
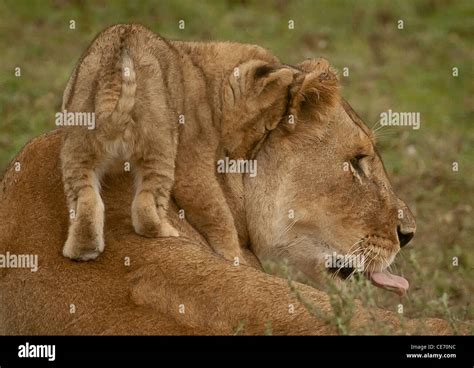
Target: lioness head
{"points": [[322, 199]]}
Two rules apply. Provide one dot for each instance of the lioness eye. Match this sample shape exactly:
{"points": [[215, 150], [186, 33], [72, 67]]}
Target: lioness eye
{"points": [[355, 162]]}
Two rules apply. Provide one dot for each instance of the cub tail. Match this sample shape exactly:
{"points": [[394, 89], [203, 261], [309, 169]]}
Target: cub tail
{"points": [[116, 97]]}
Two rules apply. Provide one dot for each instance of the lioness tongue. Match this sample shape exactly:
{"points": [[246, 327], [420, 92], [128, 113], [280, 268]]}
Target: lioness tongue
{"points": [[390, 282]]}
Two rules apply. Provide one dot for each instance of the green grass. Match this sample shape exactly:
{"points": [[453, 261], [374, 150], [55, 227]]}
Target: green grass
{"points": [[402, 70]]}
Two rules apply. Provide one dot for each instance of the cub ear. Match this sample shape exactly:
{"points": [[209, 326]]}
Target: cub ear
{"points": [[263, 83], [272, 79], [315, 90]]}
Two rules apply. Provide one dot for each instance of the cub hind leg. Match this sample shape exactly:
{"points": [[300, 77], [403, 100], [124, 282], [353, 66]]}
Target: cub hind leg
{"points": [[81, 178], [154, 179]]}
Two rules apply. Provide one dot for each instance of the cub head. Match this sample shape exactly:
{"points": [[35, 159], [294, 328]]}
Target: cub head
{"points": [[321, 199]]}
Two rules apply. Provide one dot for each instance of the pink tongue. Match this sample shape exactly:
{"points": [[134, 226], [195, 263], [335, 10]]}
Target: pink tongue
{"points": [[390, 282]]}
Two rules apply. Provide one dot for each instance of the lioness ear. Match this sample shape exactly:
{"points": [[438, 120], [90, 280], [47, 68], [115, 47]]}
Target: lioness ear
{"points": [[315, 91]]}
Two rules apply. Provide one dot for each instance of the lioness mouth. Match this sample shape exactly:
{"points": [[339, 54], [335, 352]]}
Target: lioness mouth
{"points": [[388, 281], [383, 279]]}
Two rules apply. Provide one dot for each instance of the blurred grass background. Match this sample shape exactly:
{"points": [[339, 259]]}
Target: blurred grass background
{"points": [[406, 70]]}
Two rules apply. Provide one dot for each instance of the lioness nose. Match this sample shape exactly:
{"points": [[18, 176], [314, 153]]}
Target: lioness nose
{"points": [[404, 237]]}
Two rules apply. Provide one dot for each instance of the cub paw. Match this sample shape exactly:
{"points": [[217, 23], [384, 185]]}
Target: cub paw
{"points": [[145, 219], [166, 229], [83, 250]]}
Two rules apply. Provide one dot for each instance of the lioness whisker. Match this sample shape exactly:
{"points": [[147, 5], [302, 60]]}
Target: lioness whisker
{"points": [[378, 128], [375, 124], [345, 265]]}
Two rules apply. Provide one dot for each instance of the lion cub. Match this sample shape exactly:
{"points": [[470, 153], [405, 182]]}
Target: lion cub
{"points": [[148, 97]]}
